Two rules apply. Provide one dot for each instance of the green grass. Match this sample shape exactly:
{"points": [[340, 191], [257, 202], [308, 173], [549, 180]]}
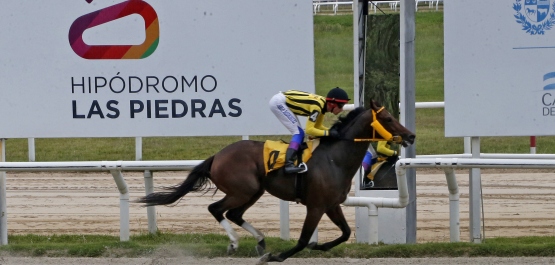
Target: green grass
{"points": [[215, 245], [333, 47]]}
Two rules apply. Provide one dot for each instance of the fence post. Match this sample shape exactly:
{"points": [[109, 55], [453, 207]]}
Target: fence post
{"points": [[3, 203], [150, 210], [31, 149], [532, 144], [123, 204], [139, 148]]}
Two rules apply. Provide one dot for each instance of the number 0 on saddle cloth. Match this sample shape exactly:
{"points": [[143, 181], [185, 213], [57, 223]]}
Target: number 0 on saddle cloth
{"points": [[274, 153]]}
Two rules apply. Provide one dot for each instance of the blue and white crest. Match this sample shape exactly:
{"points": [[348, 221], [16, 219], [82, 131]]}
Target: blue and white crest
{"points": [[536, 16]]}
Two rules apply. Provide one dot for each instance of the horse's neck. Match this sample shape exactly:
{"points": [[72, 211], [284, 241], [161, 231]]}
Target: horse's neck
{"points": [[351, 157], [346, 154], [360, 128]]}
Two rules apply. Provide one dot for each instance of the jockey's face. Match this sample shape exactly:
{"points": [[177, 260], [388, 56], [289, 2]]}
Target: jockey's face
{"points": [[335, 108]]}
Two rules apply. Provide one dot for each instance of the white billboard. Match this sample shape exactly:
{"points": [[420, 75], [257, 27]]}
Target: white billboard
{"points": [[499, 68], [105, 68]]}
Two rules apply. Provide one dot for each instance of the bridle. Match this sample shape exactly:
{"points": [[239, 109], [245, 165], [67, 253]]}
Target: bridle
{"points": [[379, 133]]}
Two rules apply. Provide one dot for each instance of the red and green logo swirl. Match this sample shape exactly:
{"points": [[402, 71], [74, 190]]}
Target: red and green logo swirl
{"points": [[112, 13]]}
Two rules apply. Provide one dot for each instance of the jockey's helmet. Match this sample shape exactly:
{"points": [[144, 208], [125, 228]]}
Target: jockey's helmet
{"points": [[337, 95]]}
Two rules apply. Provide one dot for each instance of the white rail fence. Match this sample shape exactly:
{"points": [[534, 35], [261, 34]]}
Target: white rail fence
{"points": [[449, 164], [115, 168], [373, 5]]}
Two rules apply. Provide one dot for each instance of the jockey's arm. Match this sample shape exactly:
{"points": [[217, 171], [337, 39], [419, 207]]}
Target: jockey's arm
{"points": [[314, 124], [384, 148]]}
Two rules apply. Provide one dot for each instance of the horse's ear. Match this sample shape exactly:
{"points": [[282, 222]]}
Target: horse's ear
{"points": [[374, 104]]}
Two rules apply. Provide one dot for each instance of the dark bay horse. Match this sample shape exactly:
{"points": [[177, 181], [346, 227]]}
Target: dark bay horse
{"points": [[238, 171]]}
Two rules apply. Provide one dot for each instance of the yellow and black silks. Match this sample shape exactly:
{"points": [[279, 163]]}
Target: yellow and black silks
{"points": [[274, 153]]}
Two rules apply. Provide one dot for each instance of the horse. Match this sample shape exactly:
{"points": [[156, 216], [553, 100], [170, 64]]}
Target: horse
{"points": [[238, 171]]}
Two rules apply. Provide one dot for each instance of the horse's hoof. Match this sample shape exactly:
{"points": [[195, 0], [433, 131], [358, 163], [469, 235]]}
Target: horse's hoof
{"points": [[264, 259], [259, 250], [312, 245], [231, 249]]}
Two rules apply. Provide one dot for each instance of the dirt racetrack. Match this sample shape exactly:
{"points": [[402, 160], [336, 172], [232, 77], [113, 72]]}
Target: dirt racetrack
{"points": [[290, 261], [515, 204]]}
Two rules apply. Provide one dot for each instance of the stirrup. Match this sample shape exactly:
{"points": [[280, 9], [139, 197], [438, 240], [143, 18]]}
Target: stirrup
{"points": [[368, 185], [304, 166], [301, 168]]}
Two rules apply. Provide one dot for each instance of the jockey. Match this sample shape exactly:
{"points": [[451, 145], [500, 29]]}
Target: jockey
{"points": [[384, 152], [287, 105], [369, 159]]}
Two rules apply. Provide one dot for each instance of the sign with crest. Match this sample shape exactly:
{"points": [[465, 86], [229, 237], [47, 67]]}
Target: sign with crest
{"points": [[499, 71], [535, 16]]}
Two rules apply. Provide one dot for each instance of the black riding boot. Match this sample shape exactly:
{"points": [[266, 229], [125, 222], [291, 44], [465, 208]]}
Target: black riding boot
{"points": [[368, 183], [290, 157]]}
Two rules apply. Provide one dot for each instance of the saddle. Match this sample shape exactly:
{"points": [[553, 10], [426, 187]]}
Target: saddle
{"points": [[376, 166], [274, 153]]}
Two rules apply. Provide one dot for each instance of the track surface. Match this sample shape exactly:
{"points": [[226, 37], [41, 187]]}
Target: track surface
{"points": [[291, 261], [515, 204]]}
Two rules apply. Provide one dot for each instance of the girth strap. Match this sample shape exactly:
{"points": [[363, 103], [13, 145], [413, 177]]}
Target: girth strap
{"points": [[299, 186], [300, 176]]}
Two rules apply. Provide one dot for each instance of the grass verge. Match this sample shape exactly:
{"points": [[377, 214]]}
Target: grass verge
{"points": [[215, 245]]}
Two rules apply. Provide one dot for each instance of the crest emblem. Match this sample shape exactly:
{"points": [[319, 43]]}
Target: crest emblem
{"points": [[535, 16]]}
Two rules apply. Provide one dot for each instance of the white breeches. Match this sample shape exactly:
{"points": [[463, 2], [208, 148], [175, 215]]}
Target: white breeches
{"points": [[284, 114]]}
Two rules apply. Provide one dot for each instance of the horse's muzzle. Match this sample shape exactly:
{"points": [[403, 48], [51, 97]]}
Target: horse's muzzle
{"points": [[409, 140], [404, 140]]}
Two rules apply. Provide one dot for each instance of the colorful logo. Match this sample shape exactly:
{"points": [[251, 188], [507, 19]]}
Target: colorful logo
{"points": [[112, 13], [536, 16]]}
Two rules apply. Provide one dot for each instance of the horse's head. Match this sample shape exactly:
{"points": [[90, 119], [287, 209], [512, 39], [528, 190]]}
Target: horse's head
{"points": [[388, 127], [374, 124]]}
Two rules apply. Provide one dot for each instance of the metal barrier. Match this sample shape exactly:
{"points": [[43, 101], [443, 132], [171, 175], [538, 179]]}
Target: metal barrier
{"points": [[114, 167], [448, 164]]}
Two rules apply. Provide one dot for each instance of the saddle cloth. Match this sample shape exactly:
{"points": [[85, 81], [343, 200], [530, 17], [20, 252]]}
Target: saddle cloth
{"points": [[274, 153], [375, 167]]}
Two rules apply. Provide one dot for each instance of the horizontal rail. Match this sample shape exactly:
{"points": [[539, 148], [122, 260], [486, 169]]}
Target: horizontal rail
{"points": [[418, 105], [474, 163], [492, 155], [114, 167], [170, 165]]}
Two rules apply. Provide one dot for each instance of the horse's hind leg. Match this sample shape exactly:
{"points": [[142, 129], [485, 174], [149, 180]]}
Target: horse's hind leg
{"points": [[218, 209], [236, 215], [311, 221], [337, 217]]}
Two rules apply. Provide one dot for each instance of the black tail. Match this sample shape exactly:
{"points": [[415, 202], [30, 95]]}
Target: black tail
{"points": [[196, 181]]}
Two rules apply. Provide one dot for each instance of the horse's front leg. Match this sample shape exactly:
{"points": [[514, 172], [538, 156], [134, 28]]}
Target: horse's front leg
{"points": [[337, 217], [311, 221]]}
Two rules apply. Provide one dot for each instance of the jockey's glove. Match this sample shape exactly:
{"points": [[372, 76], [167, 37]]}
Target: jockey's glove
{"points": [[334, 134]]}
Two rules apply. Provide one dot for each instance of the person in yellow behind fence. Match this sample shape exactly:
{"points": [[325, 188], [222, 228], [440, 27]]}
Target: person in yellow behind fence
{"points": [[384, 148], [383, 152]]}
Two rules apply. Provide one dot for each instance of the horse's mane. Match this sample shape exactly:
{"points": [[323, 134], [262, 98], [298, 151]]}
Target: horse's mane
{"points": [[346, 119]]}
